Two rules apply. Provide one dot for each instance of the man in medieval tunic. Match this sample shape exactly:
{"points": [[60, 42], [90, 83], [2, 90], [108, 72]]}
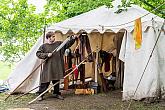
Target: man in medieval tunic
{"points": [[53, 68]]}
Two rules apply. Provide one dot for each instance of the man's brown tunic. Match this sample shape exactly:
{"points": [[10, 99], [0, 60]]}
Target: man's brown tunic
{"points": [[53, 68]]}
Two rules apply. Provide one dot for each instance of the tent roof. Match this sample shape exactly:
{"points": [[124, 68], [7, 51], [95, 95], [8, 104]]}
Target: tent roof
{"points": [[104, 19]]}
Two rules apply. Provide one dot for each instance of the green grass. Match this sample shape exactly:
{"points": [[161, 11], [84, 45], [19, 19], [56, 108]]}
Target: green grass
{"points": [[5, 70]]}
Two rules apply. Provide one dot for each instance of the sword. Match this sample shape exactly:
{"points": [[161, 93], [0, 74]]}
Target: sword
{"points": [[65, 41]]}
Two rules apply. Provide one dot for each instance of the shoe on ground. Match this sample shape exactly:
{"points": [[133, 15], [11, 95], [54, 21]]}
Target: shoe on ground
{"points": [[58, 96], [40, 99]]}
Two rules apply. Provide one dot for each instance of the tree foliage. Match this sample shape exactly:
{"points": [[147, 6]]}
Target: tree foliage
{"points": [[20, 26], [154, 6], [69, 8]]}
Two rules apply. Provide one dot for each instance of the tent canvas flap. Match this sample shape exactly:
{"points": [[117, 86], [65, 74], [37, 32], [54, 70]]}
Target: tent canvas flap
{"points": [[23, 69], [135, 63]]}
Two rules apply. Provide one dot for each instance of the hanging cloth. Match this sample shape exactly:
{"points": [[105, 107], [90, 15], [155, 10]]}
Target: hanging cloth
{"points": [[137, 34], [84, 43], [105, 58], [76, 72]]}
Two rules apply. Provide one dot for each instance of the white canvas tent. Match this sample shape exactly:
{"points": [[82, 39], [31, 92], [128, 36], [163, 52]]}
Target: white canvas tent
{"points": [[103, 23]]}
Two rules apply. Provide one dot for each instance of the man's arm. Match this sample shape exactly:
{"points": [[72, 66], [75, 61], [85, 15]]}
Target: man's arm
{"points": [[41, 54], [71, 42]]}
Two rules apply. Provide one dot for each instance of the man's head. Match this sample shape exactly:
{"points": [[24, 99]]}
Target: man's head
{"points": [[50, 36]]}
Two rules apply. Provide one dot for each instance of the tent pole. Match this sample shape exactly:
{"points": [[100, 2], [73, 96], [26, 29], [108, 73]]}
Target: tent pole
{"points": [[117, 63], [162, 28], [96, 64], [26, 93], [24, 80]]}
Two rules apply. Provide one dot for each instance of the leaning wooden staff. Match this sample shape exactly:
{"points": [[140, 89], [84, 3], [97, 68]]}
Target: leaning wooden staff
{"points": [[55, 84], [59, 81], [34, 88], [55, 50], [39, 86]]}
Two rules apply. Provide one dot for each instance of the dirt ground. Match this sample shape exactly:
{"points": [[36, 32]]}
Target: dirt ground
{"points": [[102, 101]]}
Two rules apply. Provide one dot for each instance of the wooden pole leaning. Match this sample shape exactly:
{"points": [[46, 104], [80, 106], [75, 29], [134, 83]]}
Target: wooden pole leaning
{"points": [[24, 80], [26, 93], [59, 81], [158, 36], [34, 88]]}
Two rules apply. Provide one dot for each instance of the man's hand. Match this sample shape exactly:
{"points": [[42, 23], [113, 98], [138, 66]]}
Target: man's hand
{"points": [[74, 36], [49, 54]]}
